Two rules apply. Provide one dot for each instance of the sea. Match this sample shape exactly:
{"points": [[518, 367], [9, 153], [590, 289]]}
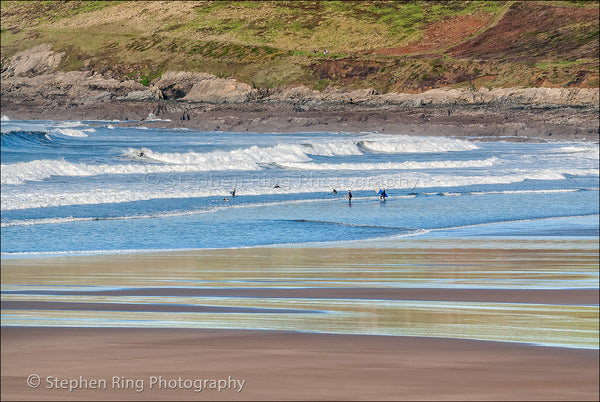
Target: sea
{"points": [[106, 187]]}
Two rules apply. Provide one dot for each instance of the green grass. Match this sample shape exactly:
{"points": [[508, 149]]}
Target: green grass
{"points": [[270, 43], [563, 63]]}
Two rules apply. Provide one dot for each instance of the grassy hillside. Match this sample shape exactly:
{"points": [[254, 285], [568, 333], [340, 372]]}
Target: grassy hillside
{"points": [[386, 45]]}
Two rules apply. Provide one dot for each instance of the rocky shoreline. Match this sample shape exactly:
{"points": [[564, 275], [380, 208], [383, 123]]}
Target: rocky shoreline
{"points": [[525, 124], [33, 89]]}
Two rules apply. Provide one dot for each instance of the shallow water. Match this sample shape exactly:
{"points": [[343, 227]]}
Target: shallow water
{"points": [[159, 290]]}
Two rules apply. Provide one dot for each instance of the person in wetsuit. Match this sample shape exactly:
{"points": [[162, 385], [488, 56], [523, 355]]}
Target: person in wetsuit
{"points": [[382, 194]]}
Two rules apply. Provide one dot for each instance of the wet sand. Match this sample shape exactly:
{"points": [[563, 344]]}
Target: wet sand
{"points": [[538, 296], [457, 288], [287, 366]]}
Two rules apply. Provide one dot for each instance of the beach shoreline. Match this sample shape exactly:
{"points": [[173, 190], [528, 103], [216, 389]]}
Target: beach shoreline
{"points": [[300, 364]]}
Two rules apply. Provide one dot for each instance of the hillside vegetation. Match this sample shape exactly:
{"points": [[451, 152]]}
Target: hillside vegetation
{"points": [[391, 46]]}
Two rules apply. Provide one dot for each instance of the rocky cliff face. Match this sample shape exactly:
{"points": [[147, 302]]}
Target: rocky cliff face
{"points": [[32, 87], [32, 75]]}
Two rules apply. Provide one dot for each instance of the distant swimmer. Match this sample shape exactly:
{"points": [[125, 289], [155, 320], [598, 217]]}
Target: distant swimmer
{"points": [[233, 192], [225, 199], [276, 186], [349, 197], [141, 154], [334, 191]]}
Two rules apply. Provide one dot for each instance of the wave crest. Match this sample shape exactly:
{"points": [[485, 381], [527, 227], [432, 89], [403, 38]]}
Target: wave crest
{"points": [[409, 144]]}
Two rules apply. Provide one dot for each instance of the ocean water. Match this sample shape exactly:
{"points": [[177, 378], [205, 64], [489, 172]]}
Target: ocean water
{"points": [[95, 187]]}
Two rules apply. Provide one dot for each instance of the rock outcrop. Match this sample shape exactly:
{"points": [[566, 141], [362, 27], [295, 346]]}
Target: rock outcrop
{"points": [[443, 97], [200, 87], [33, 88], [32, 75], [35, 61]]}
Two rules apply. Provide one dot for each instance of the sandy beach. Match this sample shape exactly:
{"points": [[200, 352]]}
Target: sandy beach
{"points": [[287, 366], [245, 288]]}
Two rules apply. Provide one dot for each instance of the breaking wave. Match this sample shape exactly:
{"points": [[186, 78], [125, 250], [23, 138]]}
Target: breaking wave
{"points": [[244, 159], [591, 152], [410, 144]]}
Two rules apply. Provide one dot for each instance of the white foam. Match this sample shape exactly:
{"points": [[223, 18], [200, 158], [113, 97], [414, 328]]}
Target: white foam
{"points": [[20, 172], [37, 198], [9, 126], [410, 144], [70, 219], [73, 123], [5, 118], [252, 158], [72, 129], [18, 125], [243, 158], [43, 221], [69, 132], [435, 180], [339, 148], [542, 191], [249, 159], [589, 152], [391, 165]]}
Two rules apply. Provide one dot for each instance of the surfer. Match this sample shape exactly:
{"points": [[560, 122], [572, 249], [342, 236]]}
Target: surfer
{"points": [[276, 186], [349, 197], [233, 192], [334, 191], [141, 154], [382, 194]]}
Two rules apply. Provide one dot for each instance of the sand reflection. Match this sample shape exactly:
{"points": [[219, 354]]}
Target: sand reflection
{"points": [[541, 296]]}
